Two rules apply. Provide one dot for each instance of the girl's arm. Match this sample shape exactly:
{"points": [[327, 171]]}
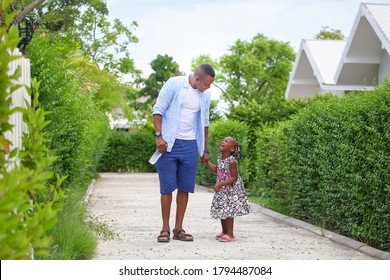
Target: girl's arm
{"points": [[233, 176], [211, 166]]}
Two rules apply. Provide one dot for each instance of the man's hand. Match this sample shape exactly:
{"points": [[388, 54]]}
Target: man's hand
{"points": [[205, 158], [161, 144]]}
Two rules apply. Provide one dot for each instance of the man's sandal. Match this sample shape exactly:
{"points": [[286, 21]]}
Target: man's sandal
{"points": [[182, 235], [164, 236]]}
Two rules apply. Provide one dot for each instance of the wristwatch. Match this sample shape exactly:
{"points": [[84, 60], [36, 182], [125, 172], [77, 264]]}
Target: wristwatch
{"points": [[157, 134]]}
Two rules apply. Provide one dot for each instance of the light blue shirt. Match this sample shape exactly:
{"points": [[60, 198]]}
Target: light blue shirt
{"points": [[168, 106]]}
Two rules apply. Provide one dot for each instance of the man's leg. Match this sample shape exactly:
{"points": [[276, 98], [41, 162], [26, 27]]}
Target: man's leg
{"points": [[166, 166], [166, 201], [181, 206], [186, 178]]}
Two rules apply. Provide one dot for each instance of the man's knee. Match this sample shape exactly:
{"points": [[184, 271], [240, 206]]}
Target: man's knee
{"points": [[181, 192]]}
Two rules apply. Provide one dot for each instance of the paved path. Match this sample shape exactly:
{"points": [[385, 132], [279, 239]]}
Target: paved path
{"points": [[130, 205]]}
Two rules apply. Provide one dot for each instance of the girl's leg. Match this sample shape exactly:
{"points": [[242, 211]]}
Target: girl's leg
{"points": [[229, 222], [228, 230], [223, 225]]}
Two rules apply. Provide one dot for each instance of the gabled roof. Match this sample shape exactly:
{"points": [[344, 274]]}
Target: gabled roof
{"points": [[337, 66], [370, 35], [315, 67]]}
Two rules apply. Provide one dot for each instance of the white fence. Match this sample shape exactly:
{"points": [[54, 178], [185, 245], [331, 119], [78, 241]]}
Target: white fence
{"points": [[19, 97]]}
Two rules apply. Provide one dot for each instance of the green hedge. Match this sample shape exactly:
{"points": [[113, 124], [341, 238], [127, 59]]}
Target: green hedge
{"points": [[271, 179], [79, 128], [128, 152], [77, 133], [217, 131], [338, 159]]}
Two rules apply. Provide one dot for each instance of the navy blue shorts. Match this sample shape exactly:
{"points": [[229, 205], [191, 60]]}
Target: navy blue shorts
{"points": [[177, 169]]}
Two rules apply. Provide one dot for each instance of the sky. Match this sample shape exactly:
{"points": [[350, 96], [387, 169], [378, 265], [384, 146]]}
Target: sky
{"points": [[186, 29]]}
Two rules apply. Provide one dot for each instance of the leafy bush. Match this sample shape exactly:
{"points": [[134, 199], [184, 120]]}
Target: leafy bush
{"points": [[217, 131], [274, 109], [271, 180], [79, 128], [28, 205], [76, 94], [128, 152], [338, 159]]}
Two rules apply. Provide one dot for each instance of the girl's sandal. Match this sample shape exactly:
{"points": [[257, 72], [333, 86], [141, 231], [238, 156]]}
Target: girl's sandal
{"points": [[164, 236], [218, 236], [226, 238], [182, 235]]}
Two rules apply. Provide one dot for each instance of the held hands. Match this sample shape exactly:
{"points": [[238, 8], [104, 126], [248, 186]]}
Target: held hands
{"points": [[205, 158]]}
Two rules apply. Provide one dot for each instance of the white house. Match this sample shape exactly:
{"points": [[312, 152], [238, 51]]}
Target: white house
{"points": [[335, 66]]}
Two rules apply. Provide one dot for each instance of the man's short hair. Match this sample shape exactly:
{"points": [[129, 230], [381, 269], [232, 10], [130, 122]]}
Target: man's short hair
{"points": [[207, 69]]}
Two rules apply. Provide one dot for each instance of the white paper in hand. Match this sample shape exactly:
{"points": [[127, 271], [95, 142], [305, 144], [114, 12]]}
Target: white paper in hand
{"points": [[153, 159]]}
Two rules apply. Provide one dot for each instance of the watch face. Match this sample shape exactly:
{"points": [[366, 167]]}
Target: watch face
{"points": [[158, 133]]}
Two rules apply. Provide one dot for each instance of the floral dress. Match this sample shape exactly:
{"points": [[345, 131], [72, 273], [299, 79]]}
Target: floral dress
{"points": [[230, 201]]}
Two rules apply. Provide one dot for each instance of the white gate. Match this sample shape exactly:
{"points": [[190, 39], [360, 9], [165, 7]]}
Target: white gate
{"points": [[19, 97]]}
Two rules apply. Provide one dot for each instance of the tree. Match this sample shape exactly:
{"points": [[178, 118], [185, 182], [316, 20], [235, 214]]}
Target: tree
{"points": [[204, 58], [26, 11], [255, 76], [257, 70], [329, 33], [164, 68], [55, 15], [107, 43], [64, 15]]}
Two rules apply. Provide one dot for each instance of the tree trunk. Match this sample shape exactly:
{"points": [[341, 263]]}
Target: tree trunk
{"points": [[26, 11]]}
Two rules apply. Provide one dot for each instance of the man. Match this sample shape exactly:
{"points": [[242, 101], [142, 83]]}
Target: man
{"points": [[181, 120]]}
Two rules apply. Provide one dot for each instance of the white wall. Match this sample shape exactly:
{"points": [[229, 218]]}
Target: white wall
{"points": [[384, 67]]}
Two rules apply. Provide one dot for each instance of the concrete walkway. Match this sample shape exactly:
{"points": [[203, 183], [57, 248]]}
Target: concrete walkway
{"points": [[130, 205]]}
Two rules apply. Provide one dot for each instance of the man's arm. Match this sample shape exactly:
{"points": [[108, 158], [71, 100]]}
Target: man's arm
{"points": [[205, 157]]}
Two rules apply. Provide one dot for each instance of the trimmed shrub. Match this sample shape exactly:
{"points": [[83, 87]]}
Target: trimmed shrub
{"points": [[217, 131], [271, 180], [79, 128], [338, 159], [128, 152]]}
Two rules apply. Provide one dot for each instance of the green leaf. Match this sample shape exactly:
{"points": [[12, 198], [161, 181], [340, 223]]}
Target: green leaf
{"points": [[5, 5]]}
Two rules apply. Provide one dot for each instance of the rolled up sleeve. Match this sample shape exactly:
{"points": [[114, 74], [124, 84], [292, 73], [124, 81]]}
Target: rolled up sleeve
{"points": [[164, 99]]}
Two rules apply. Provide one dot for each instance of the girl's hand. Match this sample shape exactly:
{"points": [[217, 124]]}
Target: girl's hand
{"points": [[217, 187]]}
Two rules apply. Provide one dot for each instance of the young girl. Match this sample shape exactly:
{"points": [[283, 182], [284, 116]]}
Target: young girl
{"points": [[229, 199]]}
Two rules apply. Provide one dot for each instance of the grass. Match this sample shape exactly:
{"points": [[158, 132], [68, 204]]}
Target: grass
{"points": [[74, 238], [102, 229], [269, 203]]}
